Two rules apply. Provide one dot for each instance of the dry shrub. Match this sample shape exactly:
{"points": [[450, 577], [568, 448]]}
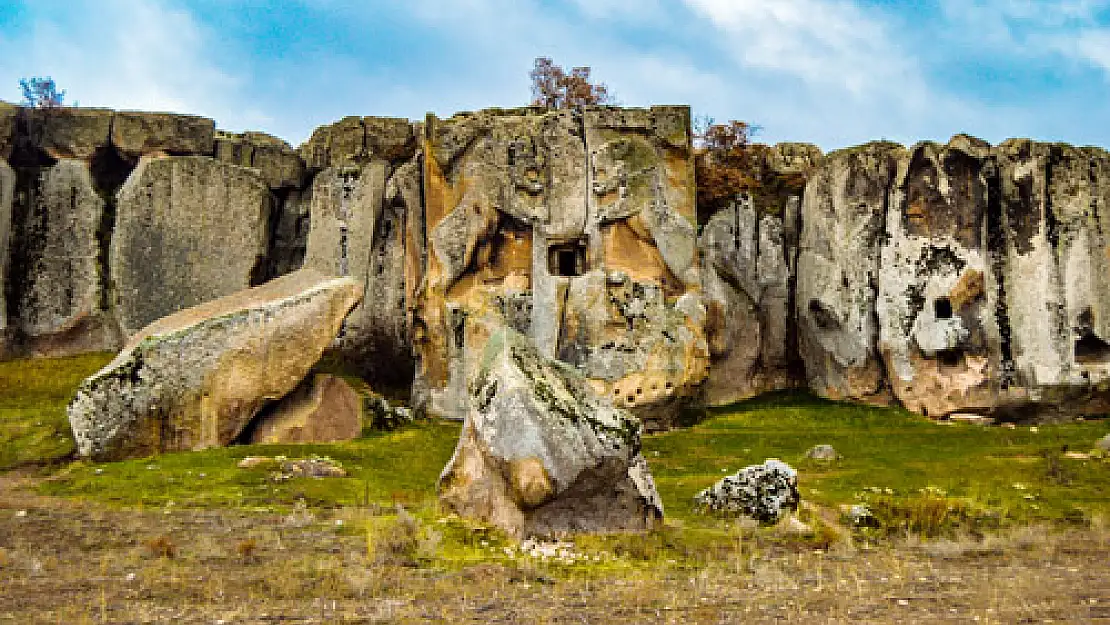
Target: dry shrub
{"points": [[246, 548], [404, 542], [161, 547], [927, 514]]}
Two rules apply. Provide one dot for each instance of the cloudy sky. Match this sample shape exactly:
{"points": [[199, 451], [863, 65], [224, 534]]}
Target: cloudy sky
{"points": [[833, 72]]}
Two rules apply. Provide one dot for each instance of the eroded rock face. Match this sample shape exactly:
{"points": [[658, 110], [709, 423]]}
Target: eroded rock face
{"points": [[747, 269], [195, 379], [54, 273], [577, 229], [322, 409], [1053, 276], [7, 191], [359, 213], [937, 328], [136, 133], [278, 164], [961, 278], [844, 219], [540, 453], [67, 132], [188, 230]]}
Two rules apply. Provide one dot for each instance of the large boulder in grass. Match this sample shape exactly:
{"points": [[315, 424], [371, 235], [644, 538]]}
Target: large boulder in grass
{"points": [[197, 378], [540, 453]]}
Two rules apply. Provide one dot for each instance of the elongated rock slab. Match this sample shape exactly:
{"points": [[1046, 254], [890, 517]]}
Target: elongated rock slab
{"points": [[195, 379]]}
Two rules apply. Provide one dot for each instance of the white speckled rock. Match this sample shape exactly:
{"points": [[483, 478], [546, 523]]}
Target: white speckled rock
{"points": [[760, 491]]}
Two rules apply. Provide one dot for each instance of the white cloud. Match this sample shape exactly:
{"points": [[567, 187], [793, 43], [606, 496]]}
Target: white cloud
{"points": [[148, 56], [822, 42]]}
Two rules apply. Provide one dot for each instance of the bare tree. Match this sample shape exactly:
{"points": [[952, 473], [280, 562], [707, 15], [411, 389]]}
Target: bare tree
{"points": [[553, 87]]}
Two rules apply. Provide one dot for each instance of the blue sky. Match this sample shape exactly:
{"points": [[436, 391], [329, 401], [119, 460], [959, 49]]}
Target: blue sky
{"points": [[832, 72]]}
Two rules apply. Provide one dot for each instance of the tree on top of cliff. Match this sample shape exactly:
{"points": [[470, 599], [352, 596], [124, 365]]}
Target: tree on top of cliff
{"points": [[41, 93], [555, 88], [727, 164], [722, 164]]}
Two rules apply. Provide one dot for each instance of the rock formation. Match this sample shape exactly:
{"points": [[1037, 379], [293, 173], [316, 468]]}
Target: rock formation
{"points": [[540, 453], [937, 336], [763, 492], [359, 205], [838, 271], [948, 278], [577, 229], [197, 378], [172, 213], [321, 409]]}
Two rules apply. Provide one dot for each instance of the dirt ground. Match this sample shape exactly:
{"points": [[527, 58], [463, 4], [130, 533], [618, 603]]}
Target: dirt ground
{"points": [[63, 561]]}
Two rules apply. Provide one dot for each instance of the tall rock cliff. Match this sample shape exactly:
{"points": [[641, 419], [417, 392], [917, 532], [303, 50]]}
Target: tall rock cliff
{"points": [[947, 278]]}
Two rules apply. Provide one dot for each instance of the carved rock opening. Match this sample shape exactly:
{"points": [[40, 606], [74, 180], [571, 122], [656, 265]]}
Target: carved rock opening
{"points": [[567, 259]]}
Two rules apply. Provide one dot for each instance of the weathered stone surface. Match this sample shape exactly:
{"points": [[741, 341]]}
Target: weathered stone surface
{"points": [[795, 158], [747, 280], [1053, 278], [358, 217], [195, 379], [188, 230], [937, 331], [289, 239], [53, 274], [843, 217], [540, 453], [322, 409], [577, 228], [763, 492], [7, 193], [68, 132], [357, 139], [8, 114], [278, 164], [136, 133]]}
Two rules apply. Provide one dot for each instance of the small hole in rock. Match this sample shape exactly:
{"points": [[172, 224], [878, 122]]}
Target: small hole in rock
{"points": [[942, 307], [1090, 348], [950, 357]]}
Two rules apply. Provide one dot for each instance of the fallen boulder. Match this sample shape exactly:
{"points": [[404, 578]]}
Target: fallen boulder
{"points": [[322, 409], [541, 453], [760, 491], [195, 379]]}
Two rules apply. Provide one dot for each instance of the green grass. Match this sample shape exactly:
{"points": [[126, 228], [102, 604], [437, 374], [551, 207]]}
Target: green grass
{"points": [[914, 473], [34, 428], [890, 456], [383, 469]]}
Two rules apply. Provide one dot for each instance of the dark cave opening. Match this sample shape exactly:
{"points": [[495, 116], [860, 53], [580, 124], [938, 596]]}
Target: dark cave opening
{"points": [[942, 308]]}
